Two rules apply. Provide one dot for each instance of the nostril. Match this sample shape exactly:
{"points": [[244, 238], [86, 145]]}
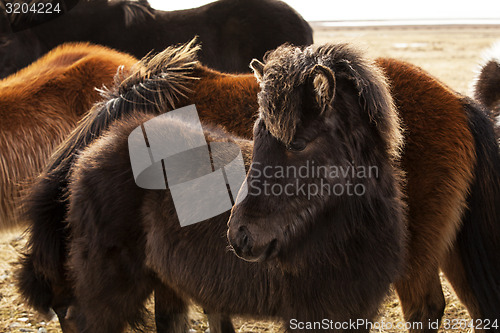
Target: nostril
{"points": [[244, 240]]}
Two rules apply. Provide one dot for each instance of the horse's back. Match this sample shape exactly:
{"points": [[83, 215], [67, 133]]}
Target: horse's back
{"points": [[40, 104], [227, 100], [64, 58], [251, 28], [48, 97], [232, 32]]}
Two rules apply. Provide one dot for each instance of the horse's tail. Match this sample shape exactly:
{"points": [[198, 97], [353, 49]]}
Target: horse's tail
{"points": [[486, 86], [154, 85], [479, 238]]}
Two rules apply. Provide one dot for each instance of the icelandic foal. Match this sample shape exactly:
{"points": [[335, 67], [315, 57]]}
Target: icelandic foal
{"points": [[126, 241]]}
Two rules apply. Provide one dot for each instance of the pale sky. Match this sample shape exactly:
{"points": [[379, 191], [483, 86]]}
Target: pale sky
{"points": [[339, 10]]}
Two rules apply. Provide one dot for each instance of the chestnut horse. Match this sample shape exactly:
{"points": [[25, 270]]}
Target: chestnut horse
{"points": [[487, 84], [40, 105], [232, 32], [43, 277]]}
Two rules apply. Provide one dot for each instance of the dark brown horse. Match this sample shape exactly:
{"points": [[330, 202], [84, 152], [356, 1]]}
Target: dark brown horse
{"points": [[194, 263], [171, 79], [487, 84], [450, 159], [232, 32], [40, 105]]}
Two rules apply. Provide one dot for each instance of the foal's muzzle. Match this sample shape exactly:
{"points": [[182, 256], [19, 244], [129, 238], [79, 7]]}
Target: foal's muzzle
{"points": [[251, 243]]}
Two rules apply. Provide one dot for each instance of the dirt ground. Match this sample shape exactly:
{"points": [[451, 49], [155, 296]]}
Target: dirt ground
{"points": [[449, 53]]}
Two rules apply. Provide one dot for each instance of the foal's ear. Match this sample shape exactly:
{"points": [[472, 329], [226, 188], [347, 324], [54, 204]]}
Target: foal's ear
{"points": [[258, 69], [323, 83]]}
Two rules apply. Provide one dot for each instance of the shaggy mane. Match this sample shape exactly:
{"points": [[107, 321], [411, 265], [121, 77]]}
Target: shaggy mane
{"points": [[157, 80], [156, 84]]}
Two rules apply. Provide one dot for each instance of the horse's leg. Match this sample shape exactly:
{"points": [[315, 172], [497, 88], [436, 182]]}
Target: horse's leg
{"points": [[220, 323], [110, 311], [66, 322], [433, 223], [422, 298], [453, 269], [63, 305], [171, 314], [170, 311], [110, 287]]}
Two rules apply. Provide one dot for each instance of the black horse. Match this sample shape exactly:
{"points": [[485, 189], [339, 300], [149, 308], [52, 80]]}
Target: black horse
{"points": [[232, 32]]}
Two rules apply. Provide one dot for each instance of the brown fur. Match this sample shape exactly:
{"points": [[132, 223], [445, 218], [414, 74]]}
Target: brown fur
{"points": [[172, 254], [448, 147], [304, 121], [160, 255], [40, 105], [169, 80], [233, 96], [439, 161], [486, 86]]}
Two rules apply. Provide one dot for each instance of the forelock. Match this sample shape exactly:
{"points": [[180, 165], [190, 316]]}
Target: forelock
{"points": [[288, 67], [285, 69]]}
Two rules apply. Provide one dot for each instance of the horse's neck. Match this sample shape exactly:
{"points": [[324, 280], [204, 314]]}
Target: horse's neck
{"points": [[335, 239], [227, 100]]}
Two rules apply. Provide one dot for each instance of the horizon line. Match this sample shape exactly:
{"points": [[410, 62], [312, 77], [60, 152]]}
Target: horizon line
{"points": [[406, 22]]}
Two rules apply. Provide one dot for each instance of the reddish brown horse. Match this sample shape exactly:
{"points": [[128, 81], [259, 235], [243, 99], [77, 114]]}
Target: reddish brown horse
{"points": [[440, 127], [40, 105]]}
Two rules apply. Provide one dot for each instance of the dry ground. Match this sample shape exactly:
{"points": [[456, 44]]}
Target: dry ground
{"points": [[449, 53]]}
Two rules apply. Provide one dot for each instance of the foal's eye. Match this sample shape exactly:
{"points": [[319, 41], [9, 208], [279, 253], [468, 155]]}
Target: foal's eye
{"points": [[297, 145]]}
